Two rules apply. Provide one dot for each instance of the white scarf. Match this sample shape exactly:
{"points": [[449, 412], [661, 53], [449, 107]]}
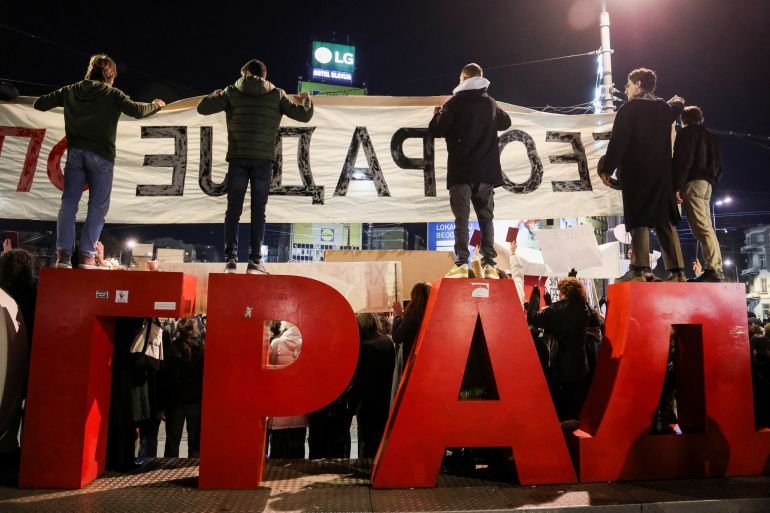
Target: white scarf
{"points": [[472, 83]]}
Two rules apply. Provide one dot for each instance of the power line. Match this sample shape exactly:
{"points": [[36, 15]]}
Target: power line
{"points": [[72, 49]]}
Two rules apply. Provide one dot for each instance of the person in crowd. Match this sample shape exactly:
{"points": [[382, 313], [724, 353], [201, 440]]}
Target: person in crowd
{"points": [[129, 398], [640, 150], [287, 434], [517, 272], [372, 383], [18, 279], [566, 319], [182, 385], [760, 376], [253, 108], [407, 322], [92, 108], [469, 121], [697, 170]]}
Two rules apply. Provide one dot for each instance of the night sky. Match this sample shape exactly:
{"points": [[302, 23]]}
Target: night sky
{"points": [[712, 52]]}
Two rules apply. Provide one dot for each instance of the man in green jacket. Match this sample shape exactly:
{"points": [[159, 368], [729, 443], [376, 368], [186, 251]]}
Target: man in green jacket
{"points": [[92, 108], [253, 108]]}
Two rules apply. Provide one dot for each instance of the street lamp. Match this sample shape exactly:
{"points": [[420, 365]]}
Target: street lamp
{"points": [[730, 263], [130, 243], [718, 203]]}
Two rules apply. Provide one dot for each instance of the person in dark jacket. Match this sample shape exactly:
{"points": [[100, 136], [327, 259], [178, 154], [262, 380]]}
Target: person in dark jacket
{"points": [[469, 121], [92, 108], [17, 278], [640, 150], [372, 382], [253, 108], [182, 385], [406, 324], [697, 169], [566, 320]]}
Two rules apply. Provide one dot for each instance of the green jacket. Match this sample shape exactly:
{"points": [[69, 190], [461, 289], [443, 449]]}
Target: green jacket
{"points": [[91, 113], [253, 109]]}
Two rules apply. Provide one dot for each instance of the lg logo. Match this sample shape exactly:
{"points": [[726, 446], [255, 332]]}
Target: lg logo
{"points": [[325, 56]]}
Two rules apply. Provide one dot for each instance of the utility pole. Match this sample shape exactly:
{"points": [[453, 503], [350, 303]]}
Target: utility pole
{"points": [[605, 103]]}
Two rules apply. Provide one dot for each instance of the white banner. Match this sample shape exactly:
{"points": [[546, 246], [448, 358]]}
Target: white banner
{"points": [[364, 159]]}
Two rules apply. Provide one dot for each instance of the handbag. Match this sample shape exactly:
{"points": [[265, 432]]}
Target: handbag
{"points": [[148, 345]]}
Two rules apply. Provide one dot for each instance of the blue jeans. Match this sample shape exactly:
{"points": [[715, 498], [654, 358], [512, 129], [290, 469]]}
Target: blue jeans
{"points": [[84, 167], [239, 173]]}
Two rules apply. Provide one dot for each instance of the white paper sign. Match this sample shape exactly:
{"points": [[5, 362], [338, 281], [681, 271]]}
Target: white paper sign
{"points": [[569, 248]]}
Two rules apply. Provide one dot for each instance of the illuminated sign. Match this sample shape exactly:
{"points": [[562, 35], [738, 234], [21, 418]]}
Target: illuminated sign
{"points": [[331, 61]]}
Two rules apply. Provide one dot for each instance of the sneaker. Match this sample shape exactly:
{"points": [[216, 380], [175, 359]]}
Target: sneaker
{"points": [[490, 273], [231, 266], [256, 268], [634, 274], [87, 262], [675, 275], [63, 260], [711, 276], [458, 271]]}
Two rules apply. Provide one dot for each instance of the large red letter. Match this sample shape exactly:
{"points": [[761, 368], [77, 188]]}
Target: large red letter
{"points": [[614, 443], [239, 391], [36, 136], [428, 416], [65, 425]]}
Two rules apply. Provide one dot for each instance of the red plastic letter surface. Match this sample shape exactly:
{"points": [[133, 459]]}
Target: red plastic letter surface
{"points": [[240, 391], [428, 415], [68, 399], [714, 401]]}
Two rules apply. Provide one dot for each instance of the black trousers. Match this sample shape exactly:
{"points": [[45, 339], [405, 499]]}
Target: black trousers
{"points": [[240, 172], [482, 196]]}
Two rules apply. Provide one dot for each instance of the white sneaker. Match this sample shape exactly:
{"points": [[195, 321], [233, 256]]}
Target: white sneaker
{"points": [[490, 273], [256, 268], [458, 271]]}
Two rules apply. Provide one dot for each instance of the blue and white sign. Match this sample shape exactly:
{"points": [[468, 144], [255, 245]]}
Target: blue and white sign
{"points": [[441, 236]]}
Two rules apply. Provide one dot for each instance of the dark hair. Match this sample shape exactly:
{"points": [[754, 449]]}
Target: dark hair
{"points": [[17, 271], [102, 68], [187, 335], [256, 68], [692, 115], [472, 70], [646, 76], [418, 300], [368, 325]]}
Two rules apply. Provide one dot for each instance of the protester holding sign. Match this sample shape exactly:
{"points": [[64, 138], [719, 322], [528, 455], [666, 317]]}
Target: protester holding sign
{"points": [[469, 121], [92, 108], [254, 108], [640, 148]]}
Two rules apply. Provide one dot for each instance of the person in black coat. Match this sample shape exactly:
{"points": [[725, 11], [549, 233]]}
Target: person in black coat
{"points": [[372, 382], [469, 121], [406, 325], [697, 169], [640, 150], [566, 320]]}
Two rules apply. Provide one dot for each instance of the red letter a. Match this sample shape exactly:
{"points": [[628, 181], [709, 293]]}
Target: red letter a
{"points": [[428, 416]]}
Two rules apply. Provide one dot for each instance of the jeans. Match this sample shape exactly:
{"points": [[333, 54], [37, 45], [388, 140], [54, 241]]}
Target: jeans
{"points": [[239, 173], [84, 167], [482, 195]]}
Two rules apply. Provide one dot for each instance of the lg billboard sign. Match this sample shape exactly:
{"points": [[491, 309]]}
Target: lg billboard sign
{"points": [[333, 62]]}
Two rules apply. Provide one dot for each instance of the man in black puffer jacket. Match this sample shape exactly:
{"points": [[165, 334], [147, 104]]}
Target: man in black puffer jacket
{"points": [[469, 121], [253, 108]]}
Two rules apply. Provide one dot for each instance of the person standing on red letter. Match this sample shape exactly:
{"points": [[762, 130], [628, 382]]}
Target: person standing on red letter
{"points": [[640, 148], [92, 108], [253, 108], [469, 121]]}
